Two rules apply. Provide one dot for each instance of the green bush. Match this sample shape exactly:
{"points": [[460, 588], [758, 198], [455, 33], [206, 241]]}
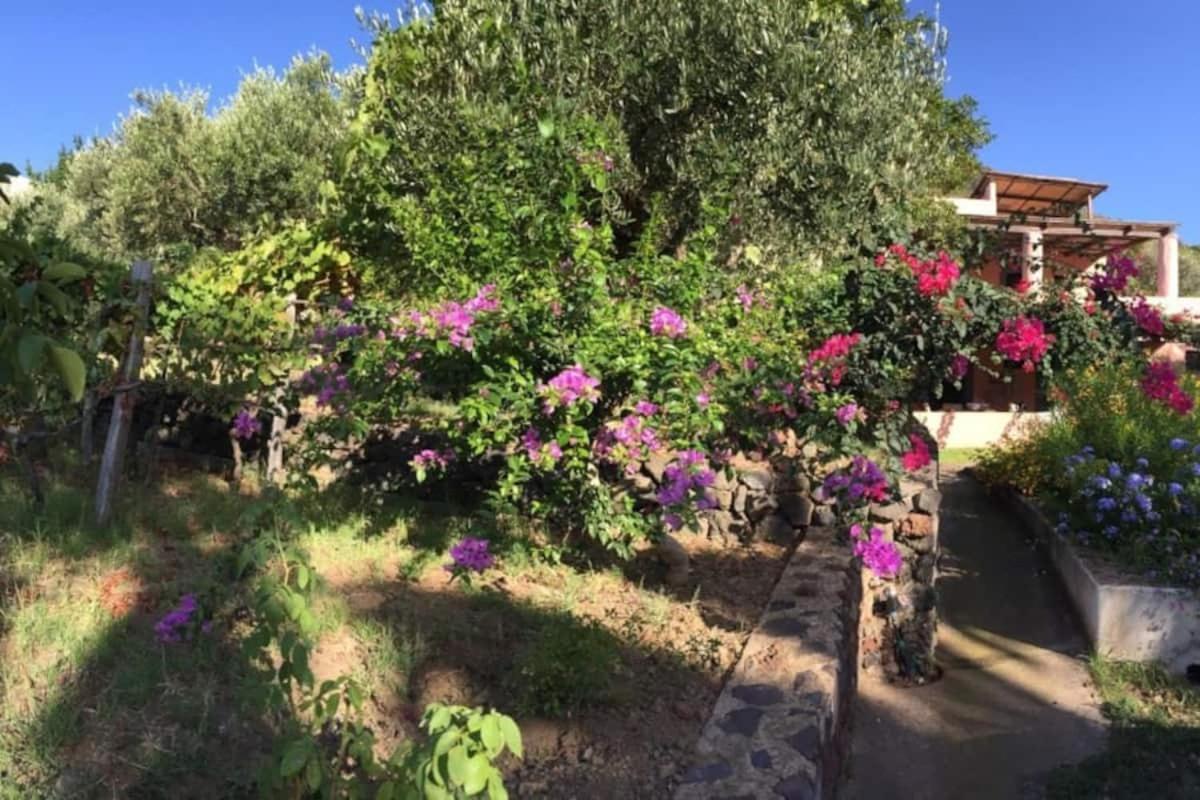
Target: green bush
{"points": [[566, 668]]}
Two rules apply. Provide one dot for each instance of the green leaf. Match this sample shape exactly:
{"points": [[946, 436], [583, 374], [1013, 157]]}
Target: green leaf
{"points": [[55, 296], [546, 128], [489, 731], [479, 769], [512, 735], [31, 349], [312, 775], [458, 765], [495, 787], [294, 757], [63, 272]]}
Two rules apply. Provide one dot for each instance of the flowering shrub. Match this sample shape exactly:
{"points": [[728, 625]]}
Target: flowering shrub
{"points": [[1144, 516]]}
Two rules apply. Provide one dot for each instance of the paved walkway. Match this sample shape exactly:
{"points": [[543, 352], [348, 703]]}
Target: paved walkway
{"points": [[1015, 700]]}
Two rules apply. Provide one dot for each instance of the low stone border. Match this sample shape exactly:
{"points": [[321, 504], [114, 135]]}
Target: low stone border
{"points": [[779, 727], [1123, 619]]}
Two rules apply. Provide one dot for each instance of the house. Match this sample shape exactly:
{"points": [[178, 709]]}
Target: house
{"points": [[1041, 226]]}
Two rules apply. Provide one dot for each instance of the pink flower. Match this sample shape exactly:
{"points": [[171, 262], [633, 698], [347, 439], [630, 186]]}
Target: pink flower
{"points": [[959, 366], [846, 414], [703, 399], [568, 387], [1147, 317], [542, 454], [645, 408], [916, 457], [750, 298], [1023, 339], [1159, 382], [666, 322]]}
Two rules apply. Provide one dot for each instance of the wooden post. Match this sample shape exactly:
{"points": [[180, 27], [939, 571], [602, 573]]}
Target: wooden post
{"points": [[122, 413], [87, 445]]}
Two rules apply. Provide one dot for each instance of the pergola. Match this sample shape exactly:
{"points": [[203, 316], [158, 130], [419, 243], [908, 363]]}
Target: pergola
{"points": [[1051, 220]]}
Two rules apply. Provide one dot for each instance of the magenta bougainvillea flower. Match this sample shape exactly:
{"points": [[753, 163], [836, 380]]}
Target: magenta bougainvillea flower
{"points": [[1147, 317], [959, 366], [878, 554], [1024, 339], [846, 414], [568, 387], [544, 454], [629, 441], [1115, 276], [918, 454], [666, 322], [1159, 382]]}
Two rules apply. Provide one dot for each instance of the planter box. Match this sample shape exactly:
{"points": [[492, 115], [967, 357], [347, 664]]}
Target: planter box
{"points": [[1124, 620]]}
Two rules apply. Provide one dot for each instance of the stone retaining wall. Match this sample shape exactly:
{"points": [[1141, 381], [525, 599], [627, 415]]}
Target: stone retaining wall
{"points": [[762, 500], [898, 622], [779, 727]]}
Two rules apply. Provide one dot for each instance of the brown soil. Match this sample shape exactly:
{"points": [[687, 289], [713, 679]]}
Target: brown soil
{"points": [[674, 654]]}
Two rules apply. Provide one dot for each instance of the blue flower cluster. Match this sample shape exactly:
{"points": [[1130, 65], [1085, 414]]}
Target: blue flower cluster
{"points": [[1131, 511]]}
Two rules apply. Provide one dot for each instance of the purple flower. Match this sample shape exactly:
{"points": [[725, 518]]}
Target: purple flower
{"points": [[543, 454], [846, 414], [245, 425], [170, 629], [666, 322], [470, 555], [1178, 444], [746, 297], [645, 408], [879, 555]]}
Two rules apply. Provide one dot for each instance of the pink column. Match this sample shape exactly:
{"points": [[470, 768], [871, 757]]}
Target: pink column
{"points": [[1168, 265]]}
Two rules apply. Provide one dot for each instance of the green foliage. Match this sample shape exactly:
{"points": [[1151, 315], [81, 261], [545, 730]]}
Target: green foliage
{"points": [[322, 748], [821, 125], [458, 761], [1103, 407], [34, 305], [1154, 736], [172, 178], [567, 667]]}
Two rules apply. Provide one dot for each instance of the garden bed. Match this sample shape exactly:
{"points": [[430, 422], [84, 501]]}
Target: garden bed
{"points": [[1126, 617], [609, 673]]}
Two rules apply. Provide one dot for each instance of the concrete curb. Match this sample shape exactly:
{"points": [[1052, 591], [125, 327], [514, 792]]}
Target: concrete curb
{"points": [[1123, 619]]}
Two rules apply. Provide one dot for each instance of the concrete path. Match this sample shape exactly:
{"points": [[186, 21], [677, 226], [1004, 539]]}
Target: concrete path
{"points": [[1015, 700]]}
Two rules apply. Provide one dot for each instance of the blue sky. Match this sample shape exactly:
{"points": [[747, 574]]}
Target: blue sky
{"points": [[1101, 90]]}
